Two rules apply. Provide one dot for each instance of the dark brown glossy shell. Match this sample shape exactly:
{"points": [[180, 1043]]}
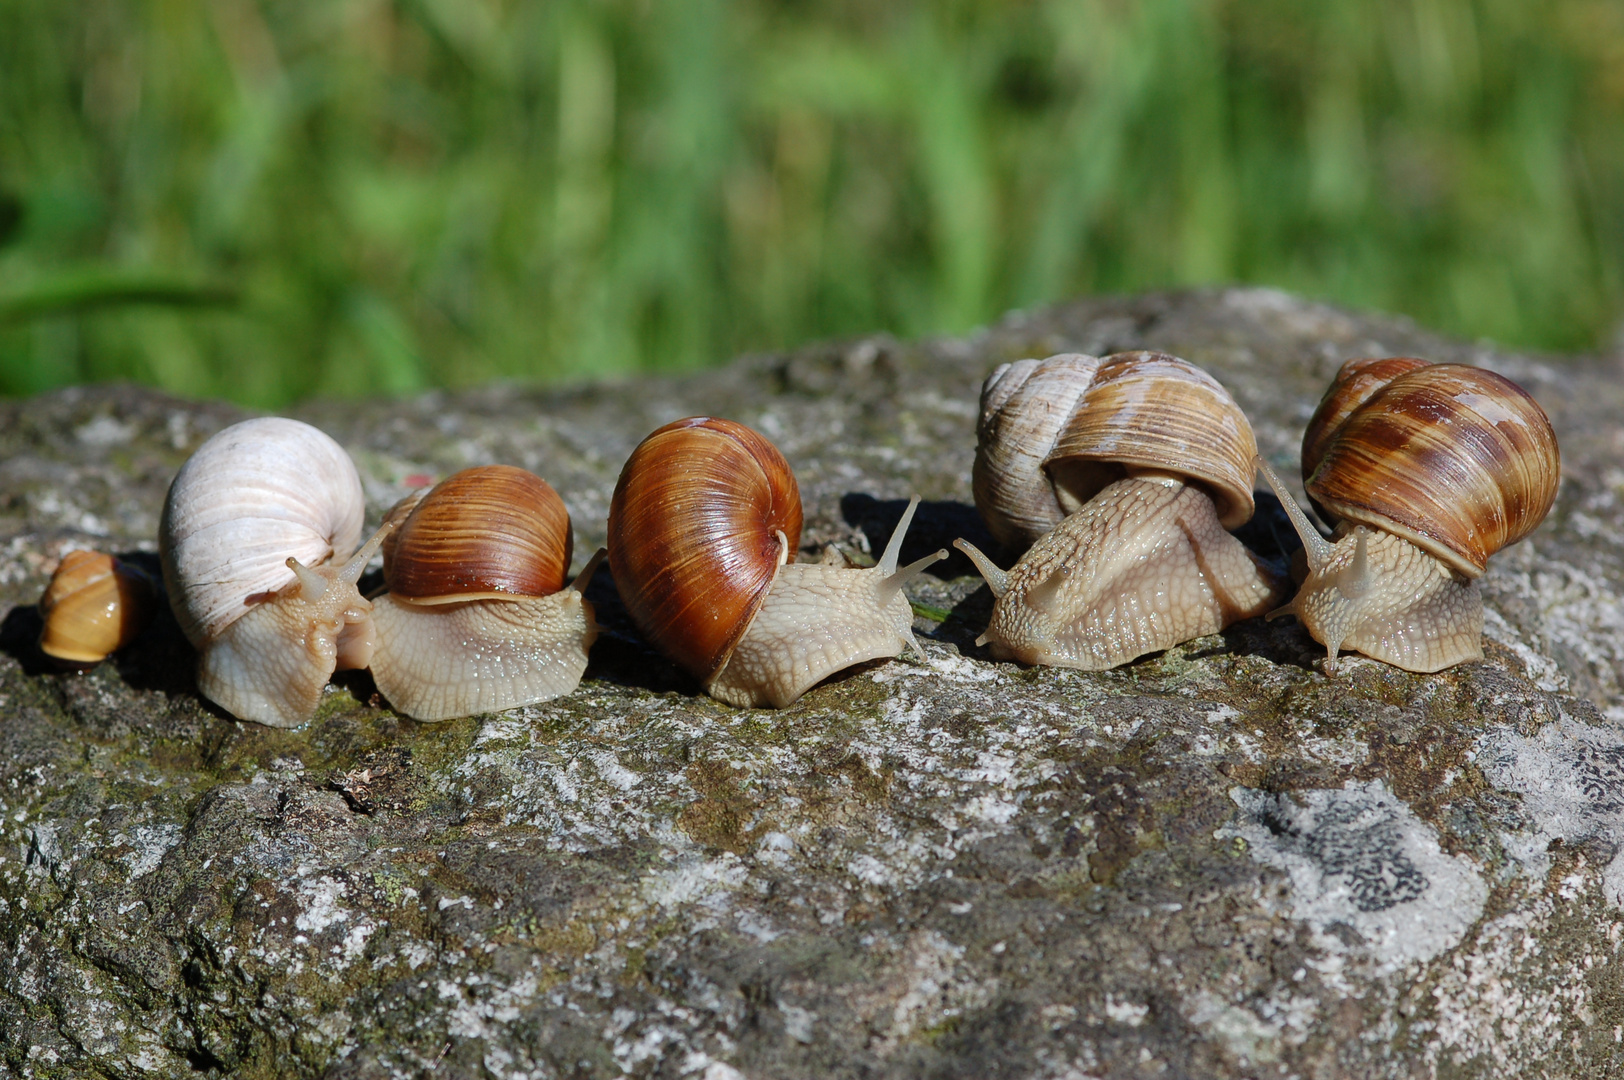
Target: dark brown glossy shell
{"points": [[1456, 459], [94, 605], [486, 532], [693, 536], [1150, 410]]}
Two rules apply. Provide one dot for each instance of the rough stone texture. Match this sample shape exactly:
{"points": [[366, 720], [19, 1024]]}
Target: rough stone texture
{"points": [[1214, 862]]}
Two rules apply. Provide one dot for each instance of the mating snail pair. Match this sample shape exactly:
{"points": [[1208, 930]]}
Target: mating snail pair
{"points": [[1123, 474]]}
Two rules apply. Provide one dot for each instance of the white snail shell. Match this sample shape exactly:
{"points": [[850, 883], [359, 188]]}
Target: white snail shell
{"points": [[250, 527]]}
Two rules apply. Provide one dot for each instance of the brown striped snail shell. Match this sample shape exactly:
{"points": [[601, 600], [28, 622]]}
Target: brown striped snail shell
{"points": [[705, 518], [1427, 470], [94, 605], [256, 540], [479, 615], [1145, 461]]}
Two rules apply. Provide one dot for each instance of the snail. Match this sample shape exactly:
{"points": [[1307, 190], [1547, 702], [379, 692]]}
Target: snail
{"points": [[1427, 470], [1126, 471], [251, 536], [94, 606], [704, 520], [478, 616]]}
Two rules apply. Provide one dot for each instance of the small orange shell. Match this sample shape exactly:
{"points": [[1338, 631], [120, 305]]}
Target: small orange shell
{"points": [[94, 605], [494, 531], [693, 536], [1150, 410], [1458, 460]]}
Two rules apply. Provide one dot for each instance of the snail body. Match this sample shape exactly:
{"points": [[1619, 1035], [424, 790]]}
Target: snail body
{"points": [[94, 605], [705, 518], [479, 615], [253, 530], [1143, 462], [1427, 470]]}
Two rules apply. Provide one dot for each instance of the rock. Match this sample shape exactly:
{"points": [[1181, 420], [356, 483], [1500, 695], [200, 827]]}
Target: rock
{"points": [[1216, 861]]}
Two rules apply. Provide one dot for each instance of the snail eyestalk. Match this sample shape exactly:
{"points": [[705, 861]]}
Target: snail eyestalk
{"points": [[997, 580]]}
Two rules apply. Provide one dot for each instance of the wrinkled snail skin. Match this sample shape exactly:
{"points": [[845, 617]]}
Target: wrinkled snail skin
{"points": [[271, 664], [1146, 471], [478, 617], [1427, 470], [818, 620], [249, 532], [94, 605], [1142, 566], [705, 518]]}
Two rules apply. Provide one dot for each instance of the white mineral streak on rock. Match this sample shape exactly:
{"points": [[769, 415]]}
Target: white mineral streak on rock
{"points": [[1243, 1032], [1358, 857], [1505, 1004], [942, 666], [483, 1005], [925, 988], [1580, 616], [104, 431], [319, 904], [694, 879], [148, 844], [1571, 779], [1539, 668]]}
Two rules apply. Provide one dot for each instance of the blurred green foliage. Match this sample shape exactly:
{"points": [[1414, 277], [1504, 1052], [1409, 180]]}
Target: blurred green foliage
{"points": [[267, 199]]}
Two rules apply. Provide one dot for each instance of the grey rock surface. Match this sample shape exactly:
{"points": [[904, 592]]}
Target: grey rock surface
{"points": [[1216, 861]]}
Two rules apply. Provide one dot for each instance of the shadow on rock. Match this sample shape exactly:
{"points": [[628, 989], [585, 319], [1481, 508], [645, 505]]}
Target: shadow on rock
{"points": [[621, 655], [935, 526]]}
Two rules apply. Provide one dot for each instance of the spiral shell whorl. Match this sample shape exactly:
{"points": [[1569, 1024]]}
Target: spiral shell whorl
{"points": [[1356, 380], [693, 538], [1024, 406], [490, 531], [251, 496], [1458, 460], [1149, 410], [94, 605]]}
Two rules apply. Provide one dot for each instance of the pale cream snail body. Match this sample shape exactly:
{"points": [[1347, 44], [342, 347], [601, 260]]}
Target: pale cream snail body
{"points": [[1124, 474], [480, 615], [258, 542], [704, 523], [1426, 471]]}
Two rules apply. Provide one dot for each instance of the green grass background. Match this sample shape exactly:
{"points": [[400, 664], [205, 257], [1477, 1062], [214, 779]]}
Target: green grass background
{"points": [[269, 199]]}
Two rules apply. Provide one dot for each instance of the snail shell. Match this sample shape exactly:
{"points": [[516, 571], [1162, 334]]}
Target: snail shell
{"points": [[1458, 460], [1150, 465], [1428, 470], [478, 617], [1024, 407], [704, 518], [94, 606], [694, 529], [1053, 433], [249, 527]]}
